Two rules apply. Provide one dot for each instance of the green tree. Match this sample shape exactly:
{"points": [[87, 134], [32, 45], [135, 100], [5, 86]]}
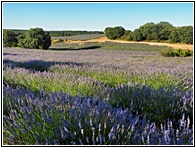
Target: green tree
{"points": [[114, 33], [174, 36], [137, 35], [108, 32], [164, 30], [35, 38], [21, 37], [127, 35], [186, 34], [9, 38], [149, 31], [182, 34]]}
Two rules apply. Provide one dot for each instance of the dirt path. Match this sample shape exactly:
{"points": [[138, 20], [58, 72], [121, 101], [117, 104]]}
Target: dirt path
{"points": [[105, 39]]}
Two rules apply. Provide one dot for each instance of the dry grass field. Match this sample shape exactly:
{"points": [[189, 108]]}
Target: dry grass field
{"points": [[105, 39]]}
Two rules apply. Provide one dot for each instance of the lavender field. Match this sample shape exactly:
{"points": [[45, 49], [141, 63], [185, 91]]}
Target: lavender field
{"points": [[82, 37], [97, 94]]}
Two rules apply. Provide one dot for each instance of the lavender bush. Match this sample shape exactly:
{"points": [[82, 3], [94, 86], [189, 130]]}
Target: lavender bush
{"points": [[156, 105], [57, 118]]}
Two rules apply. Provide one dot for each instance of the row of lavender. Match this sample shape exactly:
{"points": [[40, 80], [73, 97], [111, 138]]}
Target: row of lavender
{"points": [[59, 119]]}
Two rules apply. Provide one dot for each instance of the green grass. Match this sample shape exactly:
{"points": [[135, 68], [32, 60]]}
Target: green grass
{"points": [[114, 78], [84, 81], [71, 84], [111, 46]]}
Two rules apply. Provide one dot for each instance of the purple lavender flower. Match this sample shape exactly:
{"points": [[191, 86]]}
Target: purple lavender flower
{"points": [[111, 136]]}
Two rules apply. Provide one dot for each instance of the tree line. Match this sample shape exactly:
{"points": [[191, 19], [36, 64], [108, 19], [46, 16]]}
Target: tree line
{"points": [[37, 38], [71, 33], [59, 33], [160, 32]]}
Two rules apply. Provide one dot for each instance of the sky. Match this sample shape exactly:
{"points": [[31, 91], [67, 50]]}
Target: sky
{"points": [[94, 16]]}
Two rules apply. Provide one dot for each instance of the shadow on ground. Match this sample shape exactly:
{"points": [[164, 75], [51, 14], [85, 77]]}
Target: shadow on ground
{"points": [[37, 65], [73, 49], [9, 54]]}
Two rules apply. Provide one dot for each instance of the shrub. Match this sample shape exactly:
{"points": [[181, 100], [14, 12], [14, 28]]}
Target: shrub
{"points": [[35, 38], [9, 38], [180, 53], [189, 52], [54, 41], [168, 52], [59, 41]]}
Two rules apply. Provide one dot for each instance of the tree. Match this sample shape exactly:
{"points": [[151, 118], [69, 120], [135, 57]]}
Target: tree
{"points": [[137, 35], [149, 31], [182, 34], [21, 37], [35, 39], [9, 38], [127, 35], [186, 34], [164, 30], [114, 33], [108, 32], [174, 36]]}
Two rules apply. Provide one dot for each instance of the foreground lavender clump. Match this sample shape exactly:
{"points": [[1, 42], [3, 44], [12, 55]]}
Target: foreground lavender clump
{"points": [[59, 119], [157, 105]]}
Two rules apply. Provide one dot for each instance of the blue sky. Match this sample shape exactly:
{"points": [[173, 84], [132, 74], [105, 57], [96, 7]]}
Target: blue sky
{"points": [[94, 16]]}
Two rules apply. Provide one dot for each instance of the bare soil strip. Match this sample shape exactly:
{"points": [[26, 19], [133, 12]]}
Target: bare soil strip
{"points": [[105, 39]]}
